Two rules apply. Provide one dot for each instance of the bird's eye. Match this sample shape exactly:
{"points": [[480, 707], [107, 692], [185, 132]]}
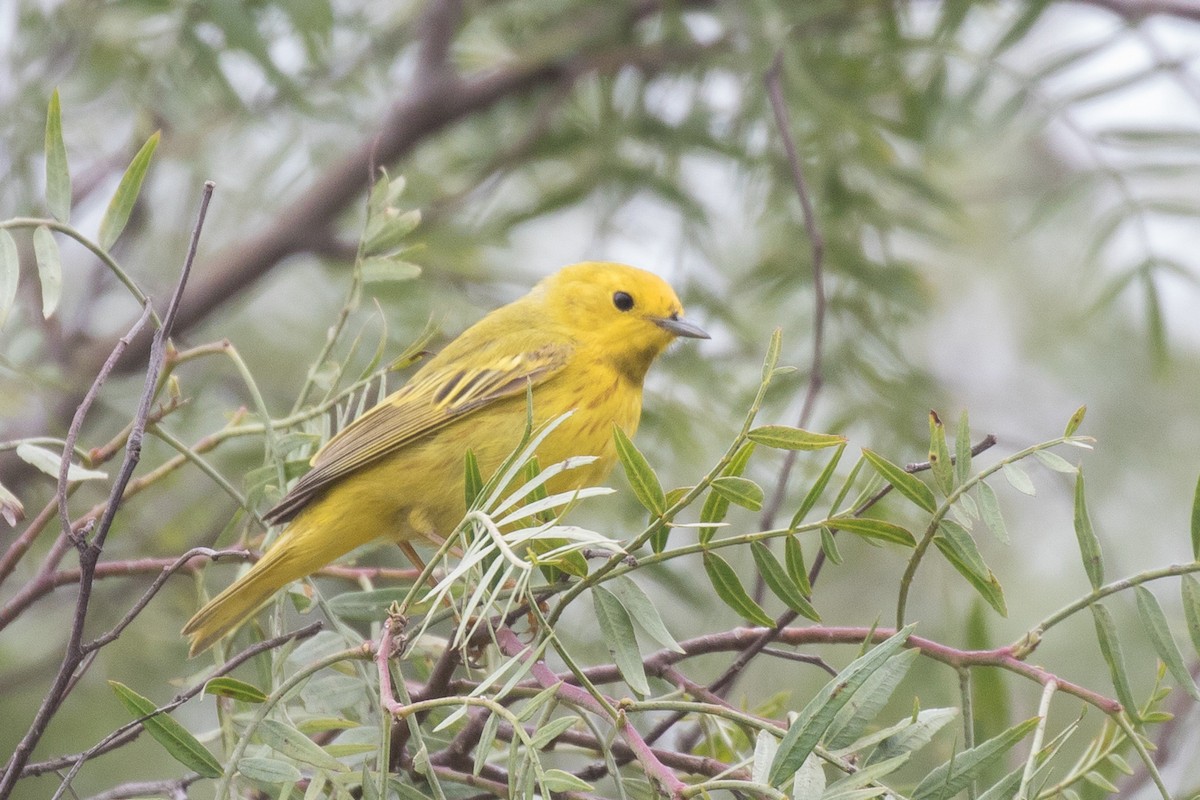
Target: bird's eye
{"points": [[622, 300]]}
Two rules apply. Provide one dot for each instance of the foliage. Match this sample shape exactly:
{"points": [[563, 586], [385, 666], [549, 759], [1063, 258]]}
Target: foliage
{"points": [[818, 152]]}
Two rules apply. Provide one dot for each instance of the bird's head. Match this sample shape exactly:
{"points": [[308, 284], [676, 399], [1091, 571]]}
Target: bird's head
{"points": [[618, 312]]}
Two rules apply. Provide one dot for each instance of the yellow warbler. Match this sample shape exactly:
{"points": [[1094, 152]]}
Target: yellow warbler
{"points": [[583, 338]]}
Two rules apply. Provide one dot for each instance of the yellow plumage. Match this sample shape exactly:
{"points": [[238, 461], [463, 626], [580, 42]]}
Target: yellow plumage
{"points": [[583, 338]]}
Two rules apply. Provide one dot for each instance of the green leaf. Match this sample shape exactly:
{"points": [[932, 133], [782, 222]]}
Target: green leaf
{"points": [[869, 700], [904, 482], [947, 780], [645, 483], [367, 605], [772, 357], [49, 462], [962, 450], [1017, 478], [829, 546], [876, 529], [662, 530], [743, 491], [387, 269], [557, 780], [818, 715], [777, 578], [939, 455], [58, 175], [388, 228], [1189, 588], [785, 437], [725, 580], [617, 629], [473, 478], [1155, 623], [809, 780], [225, 686], [793, 557], [1089, 545], [1110, 648], [1074, 422], [550, 731], [483, 748], [910, 735], [10, 273], [1055, 462], [49, 265], [716, 504], [989, 509], [121, 205], [268, 770], [1195, 497], [817, 489], [285, 739], [643, 611], [956, 544], [175, 739]]}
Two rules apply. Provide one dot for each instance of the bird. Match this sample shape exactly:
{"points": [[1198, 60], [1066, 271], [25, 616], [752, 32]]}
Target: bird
{"points": [[580, 341]]}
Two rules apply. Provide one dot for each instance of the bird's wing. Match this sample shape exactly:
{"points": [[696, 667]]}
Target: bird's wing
{"points": [[432, 399]]}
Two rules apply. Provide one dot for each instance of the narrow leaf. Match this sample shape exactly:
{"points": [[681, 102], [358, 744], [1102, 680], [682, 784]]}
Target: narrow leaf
{"points": [[716, 504], [268, 770], [989, 509], [1155, 623], [11, 508], [904, 482], [10, 273], [956, 544], [1089, 545], [793, 557], [765, 747], [772, 357], [58, 175], [1110, 648], [1075, 421], [725, 580], [743, 491], [829, 546], [175, 739], [962, 450], [557, 780], [642, 479], [121, 205], [910, 735], [818, 488], [643, 611], [1018, 479], [809, 780], [1055, 462], [950, 778], [868, 701], [785, 437], [777, 578], [48, 462], [232, 687], [876, 529], [816, 717], [387, 269], [1189, 587], [551, 731], [617, 629], [472, 479], [1195, 497], [285, 739], [939, 455], [49, 265]]}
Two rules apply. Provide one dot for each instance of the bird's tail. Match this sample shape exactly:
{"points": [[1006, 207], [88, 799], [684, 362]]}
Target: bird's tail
{"points": [[227, 611]]}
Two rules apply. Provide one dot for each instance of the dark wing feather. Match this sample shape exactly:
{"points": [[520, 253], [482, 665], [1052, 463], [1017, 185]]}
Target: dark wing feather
{"points": [[431, 400]]}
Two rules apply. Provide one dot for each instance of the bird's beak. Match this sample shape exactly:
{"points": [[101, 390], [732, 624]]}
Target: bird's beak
{"points": [[673, 324]]}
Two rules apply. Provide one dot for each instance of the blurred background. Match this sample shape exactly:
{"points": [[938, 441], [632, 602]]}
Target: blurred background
{"points": [[1006, 192]]}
